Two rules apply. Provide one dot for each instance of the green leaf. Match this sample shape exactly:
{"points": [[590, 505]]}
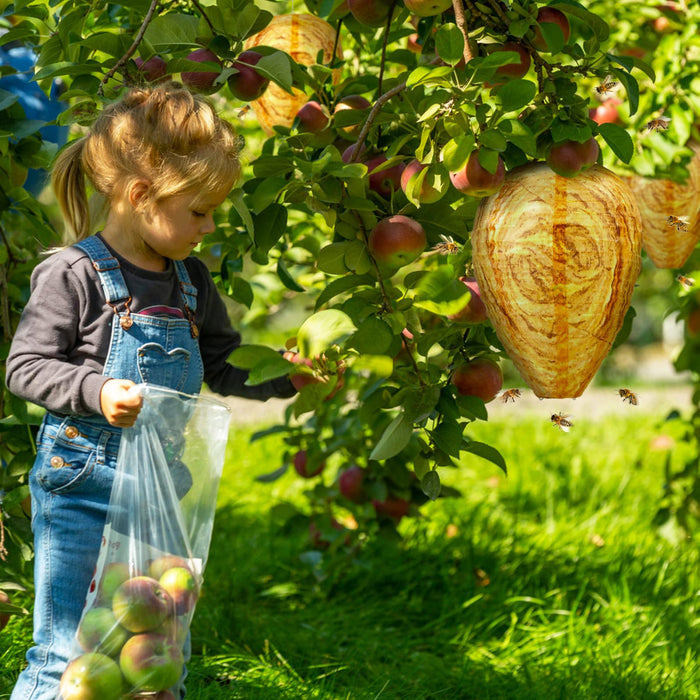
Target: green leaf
{"points": [[481, 449], [377, 365], [396, 436], [425, 75], [448, 437], [331, 259], [267, 370], [449, 44], [276, 67], [241, 291], [430, 484], [588, 19], [287, 280], [269, 226], [373, 337], [515, 94], [323, 329], [342, 284], [631, 87], [619, 140], [456, 151], [440, 292], [247, 356], [7, 99], [172, 30], [237, 199]]}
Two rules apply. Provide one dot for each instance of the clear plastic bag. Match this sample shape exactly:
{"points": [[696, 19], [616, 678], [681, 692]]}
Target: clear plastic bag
{"points": [[138, 609]]}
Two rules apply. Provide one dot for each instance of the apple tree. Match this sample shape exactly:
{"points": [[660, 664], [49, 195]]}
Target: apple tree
{"points": [[374, 129]]}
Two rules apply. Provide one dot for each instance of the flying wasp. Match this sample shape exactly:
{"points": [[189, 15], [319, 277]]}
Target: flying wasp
{"points": [[685, 282], [659, 124], [561, 421], [628, 396], [680, 223], [510, 395], [606, 86], [447, 246]]}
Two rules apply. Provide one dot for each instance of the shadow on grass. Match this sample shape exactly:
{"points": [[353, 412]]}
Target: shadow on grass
{"points": [[479, 616]]}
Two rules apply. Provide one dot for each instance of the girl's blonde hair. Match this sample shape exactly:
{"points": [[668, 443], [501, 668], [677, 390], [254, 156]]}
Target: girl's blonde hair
{"points": [[166, 135]]}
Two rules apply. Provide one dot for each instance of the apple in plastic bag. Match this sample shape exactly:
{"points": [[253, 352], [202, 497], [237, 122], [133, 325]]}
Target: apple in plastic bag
{"points": [[181, 585], [151, 662], [113, 576], [100, 631], [91, 676], [141, 604], [157, 567]]}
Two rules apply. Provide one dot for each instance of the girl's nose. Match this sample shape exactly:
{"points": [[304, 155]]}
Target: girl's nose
{"points": [[208, 225]]}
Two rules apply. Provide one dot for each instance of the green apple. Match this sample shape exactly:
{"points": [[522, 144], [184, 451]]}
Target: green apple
{"points": [[151, 662], [91, 676], [182, 586], [100, 631], [141, 604], [113, 575]]}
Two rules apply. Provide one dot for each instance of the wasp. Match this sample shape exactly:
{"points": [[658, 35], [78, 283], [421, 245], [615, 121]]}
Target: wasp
{"points": [[447, 246], [243, 111], [628, 396], [606, 86], [685, 282], [510, 395], [680, 223], [659, 124], [561, 421]]}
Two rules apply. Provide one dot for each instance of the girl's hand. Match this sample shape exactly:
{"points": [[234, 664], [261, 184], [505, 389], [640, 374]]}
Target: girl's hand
{"points": [[119, 405]]}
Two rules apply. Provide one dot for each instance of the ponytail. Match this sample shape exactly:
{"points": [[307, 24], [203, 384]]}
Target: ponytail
{"points": [[68, 181]]}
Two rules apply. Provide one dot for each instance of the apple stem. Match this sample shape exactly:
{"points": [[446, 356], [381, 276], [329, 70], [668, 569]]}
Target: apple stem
{"points": [[131, 50]]}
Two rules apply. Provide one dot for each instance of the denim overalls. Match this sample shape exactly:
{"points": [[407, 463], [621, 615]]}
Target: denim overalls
{"points": [[73, 473]]}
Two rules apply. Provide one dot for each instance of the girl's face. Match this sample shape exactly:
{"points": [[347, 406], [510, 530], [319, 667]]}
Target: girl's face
{"points": [[173, 227]]}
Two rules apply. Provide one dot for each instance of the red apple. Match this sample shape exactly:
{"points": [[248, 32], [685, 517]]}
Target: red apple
{"points": [[151, 662], [301, 379], [113, 575], [372, 13], [396, 241], [428, 194], [475, 310], [473, 179], [100, 631], [158, 566], [161, 695], [692, 324], [180, 583], [349, 152], [570, 157], [4, 617], [481, 378], [387, 181], [550, 15], [306, 467], [202, 81], [514, 70], [153, 69], [392, 508], [427, 8], [357, 102], [141, 604], [91, 676], [350, 483], [413, 43], [606, 112], [247, 84], [313, 117]]}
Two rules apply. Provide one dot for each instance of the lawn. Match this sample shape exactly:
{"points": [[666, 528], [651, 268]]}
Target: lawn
{"points": [[549, 583]]}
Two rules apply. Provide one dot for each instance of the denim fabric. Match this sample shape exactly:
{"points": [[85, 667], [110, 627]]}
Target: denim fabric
{"points": [[72, 476]]}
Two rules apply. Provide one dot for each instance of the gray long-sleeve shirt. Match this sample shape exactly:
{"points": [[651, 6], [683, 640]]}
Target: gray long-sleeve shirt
{"points": [[61, 344]]}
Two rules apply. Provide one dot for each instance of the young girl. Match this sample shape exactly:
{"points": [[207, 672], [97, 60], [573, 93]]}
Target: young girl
{"points": [[124, 306]]}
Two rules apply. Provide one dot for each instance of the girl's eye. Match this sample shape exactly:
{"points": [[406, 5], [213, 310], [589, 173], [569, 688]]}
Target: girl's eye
{"points": [[198, 213]]}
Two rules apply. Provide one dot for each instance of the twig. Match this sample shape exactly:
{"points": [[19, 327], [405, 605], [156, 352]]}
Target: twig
{"points": [[462, 25], [206, 18], [132, 49]]}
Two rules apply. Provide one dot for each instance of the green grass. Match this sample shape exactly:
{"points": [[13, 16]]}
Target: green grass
{"points": [[584, 600]]}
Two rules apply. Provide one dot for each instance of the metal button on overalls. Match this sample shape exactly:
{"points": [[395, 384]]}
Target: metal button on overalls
{"points": [[57, 462], [71, 432]]}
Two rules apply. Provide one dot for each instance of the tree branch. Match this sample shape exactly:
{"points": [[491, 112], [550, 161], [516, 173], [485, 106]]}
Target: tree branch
{"points": [[132, 49], [461, 21]]}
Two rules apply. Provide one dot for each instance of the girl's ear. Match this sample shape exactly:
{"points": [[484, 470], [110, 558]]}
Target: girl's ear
{"points": [[138, 193]]}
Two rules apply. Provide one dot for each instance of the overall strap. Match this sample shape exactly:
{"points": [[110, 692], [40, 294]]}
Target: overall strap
{"points": [[107, 267], [189, 294]]}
